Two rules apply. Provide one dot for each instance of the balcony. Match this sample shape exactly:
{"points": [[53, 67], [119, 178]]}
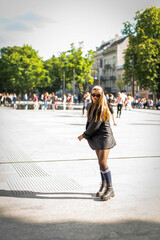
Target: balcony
{"points": [[113, 78], [107, 66]]}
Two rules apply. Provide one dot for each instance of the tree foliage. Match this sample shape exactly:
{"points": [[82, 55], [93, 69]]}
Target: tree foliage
{"points": [[21, 69], [142, 57], [81, 66], [54, 71], [120, 83], [74, 65]]}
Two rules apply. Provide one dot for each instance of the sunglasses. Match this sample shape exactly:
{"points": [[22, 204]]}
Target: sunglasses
{"points": [[95, 95]]}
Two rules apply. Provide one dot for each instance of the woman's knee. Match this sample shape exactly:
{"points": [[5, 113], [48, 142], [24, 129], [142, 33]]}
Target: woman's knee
{"points": [[102, 164]]}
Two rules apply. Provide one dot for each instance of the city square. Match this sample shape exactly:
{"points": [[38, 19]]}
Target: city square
{"points": [[80, 120], [49, 179]]}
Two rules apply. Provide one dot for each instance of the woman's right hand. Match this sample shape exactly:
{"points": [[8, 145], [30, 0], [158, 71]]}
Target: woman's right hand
{"points": [[80, 137]]}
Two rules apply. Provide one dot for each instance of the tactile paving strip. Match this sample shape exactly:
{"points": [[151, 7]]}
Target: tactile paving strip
{"points": [[32, 178], [29, 170], [12, 155], [22, 163], [50, 184]]}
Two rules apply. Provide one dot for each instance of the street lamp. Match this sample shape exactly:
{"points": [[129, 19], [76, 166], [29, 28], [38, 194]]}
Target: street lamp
{"points": [[73, 81], [63, 82], [132, 62]]}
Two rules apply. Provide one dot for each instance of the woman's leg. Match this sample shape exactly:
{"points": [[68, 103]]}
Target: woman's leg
{"points": [[120, 109], [83, 110], [102, 176], [113, 119], [102, 158], [103, 185], [117, 110], [103, 155]]}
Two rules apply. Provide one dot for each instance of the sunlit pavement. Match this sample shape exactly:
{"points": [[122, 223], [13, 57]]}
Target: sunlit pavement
{"points": [[48, 179]]}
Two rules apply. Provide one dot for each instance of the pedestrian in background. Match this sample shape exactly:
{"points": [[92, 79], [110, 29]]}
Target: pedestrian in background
{"points": [[111, 105], [86, 101], [69, 99], [80, 96], [119, 105], [14, 100], [52, 99], [129, 103], [75, 99], [46, 99], [35, 99], [157, 103], [100, 138], [84, 104]]}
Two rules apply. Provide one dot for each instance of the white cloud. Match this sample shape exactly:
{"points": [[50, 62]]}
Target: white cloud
{"points": [[24, 22]]}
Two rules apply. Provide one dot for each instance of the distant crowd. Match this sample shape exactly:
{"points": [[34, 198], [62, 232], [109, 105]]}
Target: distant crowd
{"points": [[130, 102], [49, 100], [46, 100]]}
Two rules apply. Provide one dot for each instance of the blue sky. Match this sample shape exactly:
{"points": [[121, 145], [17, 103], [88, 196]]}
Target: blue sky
{"points": [[50, 26]]}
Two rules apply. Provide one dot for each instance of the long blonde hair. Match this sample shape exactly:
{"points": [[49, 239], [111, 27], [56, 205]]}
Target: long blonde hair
{"points": [[101, 106]]}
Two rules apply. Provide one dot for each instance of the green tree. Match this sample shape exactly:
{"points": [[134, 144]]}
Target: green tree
{"points": [[21, 69], [57, 67], [142, 57], [120, 83], [54, 72], [81, 66], [71, 66], [77, 67]]}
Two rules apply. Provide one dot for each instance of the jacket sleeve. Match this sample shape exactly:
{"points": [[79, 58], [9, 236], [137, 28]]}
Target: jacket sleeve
{"points": [[92, 128]]}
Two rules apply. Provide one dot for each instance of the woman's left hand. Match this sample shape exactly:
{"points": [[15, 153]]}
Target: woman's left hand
{"points": [[80, 137]]}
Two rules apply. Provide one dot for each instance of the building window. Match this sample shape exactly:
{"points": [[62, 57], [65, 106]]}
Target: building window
{"points": [[101, 63]]}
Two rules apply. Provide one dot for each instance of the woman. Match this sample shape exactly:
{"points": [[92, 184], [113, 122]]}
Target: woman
{"points": [[35, 99], [86, 101], [100, 138], [52, 99], [46, 99], [69, 101], [119, 104], [111, 104]]}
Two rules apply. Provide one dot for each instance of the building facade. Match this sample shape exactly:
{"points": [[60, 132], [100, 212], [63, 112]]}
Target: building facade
{"points": [[108, 67]]}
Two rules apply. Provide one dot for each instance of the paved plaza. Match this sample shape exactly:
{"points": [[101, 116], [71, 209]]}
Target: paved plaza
{"points": [[48, 179]]}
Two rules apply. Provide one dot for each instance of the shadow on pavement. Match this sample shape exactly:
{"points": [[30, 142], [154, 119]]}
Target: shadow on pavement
{"points": [[49, 195], [13, 229]]}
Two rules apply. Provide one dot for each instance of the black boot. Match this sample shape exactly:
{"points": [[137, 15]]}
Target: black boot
{"points": [[108, 193], [102, 189]]}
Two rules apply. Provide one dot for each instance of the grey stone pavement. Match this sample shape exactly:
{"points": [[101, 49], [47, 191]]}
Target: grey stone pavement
{"points": [[48, 179]]}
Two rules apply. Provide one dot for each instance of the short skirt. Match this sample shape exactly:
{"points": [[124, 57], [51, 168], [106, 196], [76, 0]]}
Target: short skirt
{"points": [[103, 138], [111, 110]]}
